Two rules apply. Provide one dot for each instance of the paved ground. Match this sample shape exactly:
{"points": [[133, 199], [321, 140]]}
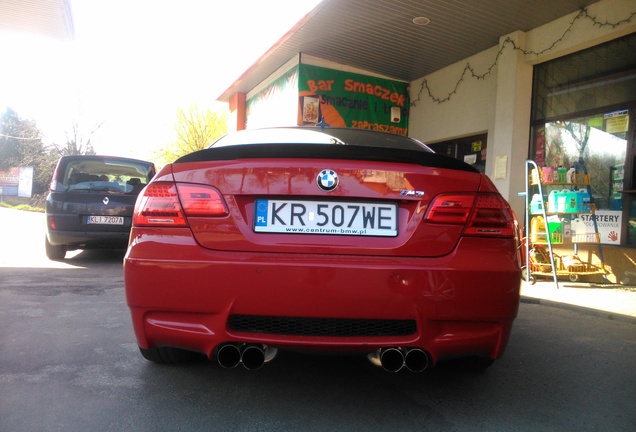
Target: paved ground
{"points": [[611, 301]]}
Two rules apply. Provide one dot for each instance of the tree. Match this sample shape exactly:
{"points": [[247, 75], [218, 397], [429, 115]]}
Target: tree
{"points": [[196, 129], [77, 143], [21, 146]]}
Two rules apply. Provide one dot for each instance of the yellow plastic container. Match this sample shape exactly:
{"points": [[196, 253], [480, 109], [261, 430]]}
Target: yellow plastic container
{"points": [[537, 230]]}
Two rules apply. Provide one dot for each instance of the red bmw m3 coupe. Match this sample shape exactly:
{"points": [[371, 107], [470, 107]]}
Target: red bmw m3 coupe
{"points": [[332, 240]]}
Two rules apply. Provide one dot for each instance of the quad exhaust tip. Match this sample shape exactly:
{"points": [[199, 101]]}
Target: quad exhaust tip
{"points": [[254, 356], [251, 356], [393, 359]]}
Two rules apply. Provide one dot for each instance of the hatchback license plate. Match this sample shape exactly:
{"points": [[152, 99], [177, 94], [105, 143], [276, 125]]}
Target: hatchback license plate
{"points": [[105, 220], [324, 217]]}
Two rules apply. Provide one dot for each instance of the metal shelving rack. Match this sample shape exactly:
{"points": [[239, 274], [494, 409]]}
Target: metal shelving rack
{"points": [[557, 269]]}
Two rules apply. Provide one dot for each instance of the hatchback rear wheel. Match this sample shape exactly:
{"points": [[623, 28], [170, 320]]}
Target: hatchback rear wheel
{"points": [[54, 253]]}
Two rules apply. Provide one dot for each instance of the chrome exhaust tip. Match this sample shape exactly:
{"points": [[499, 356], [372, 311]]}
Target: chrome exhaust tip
{"points": [[270, 353], [253, 357], [392, 359], [416, 360], [228, 355]]}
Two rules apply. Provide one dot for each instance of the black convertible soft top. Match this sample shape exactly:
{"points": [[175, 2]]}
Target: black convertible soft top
{"points": [[327, 143]]}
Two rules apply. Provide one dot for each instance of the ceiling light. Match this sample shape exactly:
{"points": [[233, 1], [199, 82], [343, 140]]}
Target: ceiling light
{"points": [[421, 21]]}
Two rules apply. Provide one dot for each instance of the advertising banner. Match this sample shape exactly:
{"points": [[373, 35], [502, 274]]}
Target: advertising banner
{"points": [[607, 221], [346, 99], [17, 181]]}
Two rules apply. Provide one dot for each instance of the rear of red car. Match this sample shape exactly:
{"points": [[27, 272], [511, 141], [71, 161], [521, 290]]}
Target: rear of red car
{"points": [[335, 241]]}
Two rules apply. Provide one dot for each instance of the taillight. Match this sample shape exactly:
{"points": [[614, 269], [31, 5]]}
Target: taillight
{"points": [[450, 209], [159, 206], [492, 217], [168, 204], [56, 175], [483, 214], [51, 220], [200, 200]]}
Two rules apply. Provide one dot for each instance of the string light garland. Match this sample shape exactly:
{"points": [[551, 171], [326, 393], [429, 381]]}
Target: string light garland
{"points": [[470, 71]]}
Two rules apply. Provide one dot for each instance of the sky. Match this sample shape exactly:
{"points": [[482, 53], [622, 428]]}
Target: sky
{"points": [[134, 63]]}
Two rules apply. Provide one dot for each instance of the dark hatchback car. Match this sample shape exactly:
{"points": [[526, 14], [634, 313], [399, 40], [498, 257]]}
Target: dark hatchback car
{"points": [[91, 201]]}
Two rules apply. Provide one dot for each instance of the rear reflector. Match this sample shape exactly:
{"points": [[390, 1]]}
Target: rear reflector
{"points": [[168, 204], [483, 214]]}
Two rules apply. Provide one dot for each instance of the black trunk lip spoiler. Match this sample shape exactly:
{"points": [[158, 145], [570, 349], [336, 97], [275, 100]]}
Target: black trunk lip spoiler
{"points": [[326, 151]]}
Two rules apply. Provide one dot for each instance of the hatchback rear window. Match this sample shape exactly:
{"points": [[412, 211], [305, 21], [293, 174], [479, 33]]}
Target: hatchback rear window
{"points": [[104, 175]]}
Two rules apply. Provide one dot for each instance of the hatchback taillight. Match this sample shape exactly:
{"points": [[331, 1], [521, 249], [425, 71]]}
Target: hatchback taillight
{"points": [[483, 214], [168, 204], [51, 222], [57, 174]]}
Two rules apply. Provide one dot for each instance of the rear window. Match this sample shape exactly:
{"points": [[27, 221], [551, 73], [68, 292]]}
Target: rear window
{"points": [[315, 135], [103, 175]]}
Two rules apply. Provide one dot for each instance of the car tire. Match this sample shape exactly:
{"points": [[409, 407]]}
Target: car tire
{"points": [[169, 355], [54, 253]]}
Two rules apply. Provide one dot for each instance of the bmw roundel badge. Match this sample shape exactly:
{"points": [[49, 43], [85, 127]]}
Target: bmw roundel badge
{"points": [[327, 180]]}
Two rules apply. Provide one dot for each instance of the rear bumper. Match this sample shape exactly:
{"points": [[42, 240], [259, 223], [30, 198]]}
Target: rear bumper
{"points": [[88, 239], [461, 304]]}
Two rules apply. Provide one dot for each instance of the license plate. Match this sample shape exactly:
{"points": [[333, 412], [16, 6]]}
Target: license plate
{"points": [[105, 220], [324, 217]]}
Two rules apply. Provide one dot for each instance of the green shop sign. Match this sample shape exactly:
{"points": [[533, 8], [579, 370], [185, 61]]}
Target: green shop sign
{"points": [[345, 99]]}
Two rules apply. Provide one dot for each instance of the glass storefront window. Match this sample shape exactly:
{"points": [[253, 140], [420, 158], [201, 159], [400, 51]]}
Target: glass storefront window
{"points": [[629, 193], [582, 107], [599, 145], [598, 142], [601, 76]]}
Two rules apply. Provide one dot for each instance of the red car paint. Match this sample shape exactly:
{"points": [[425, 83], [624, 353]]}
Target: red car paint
{"points": [[198, 275]]}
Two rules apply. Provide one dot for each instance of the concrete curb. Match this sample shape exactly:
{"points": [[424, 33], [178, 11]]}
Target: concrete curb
{"points": [[581, 309]]}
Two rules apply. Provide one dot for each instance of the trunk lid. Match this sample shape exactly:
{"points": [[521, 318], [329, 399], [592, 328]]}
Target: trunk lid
{"points": [[363, 184]]}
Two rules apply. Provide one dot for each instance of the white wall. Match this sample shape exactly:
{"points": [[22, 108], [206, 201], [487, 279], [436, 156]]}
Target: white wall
{"points": [[470, 111]]}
